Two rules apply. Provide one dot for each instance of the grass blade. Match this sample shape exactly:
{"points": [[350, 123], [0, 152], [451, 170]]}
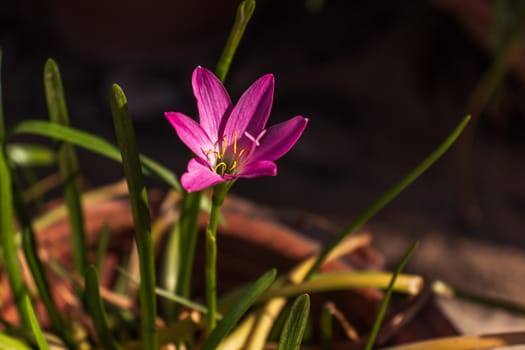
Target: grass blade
{"points": [[244, 13], [10, 343], [2, 122], [326, 327], [7, 231], [96, 310], [25, 155], [410, 284], [168, 295], [7, 236], [67, 165], [180, 251], [444, 289], [37, 269], [238, 310], [389, 195], [102, 246], [293, 331], [140, 210], [386, 299], [94, 144], [35, 326]]}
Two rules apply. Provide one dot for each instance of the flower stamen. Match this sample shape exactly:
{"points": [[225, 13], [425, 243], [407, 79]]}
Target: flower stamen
{"points": [[235, 142], [222, 165], [255, 139]]}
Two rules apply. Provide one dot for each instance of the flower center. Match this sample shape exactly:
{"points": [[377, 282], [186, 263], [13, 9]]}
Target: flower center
{"points": [[229, 156]]}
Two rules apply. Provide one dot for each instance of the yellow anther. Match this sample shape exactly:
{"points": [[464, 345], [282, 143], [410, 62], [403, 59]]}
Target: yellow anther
{"points": [[221, 164], [223, 149], [241, 153], [234, 165], [235, 142]]}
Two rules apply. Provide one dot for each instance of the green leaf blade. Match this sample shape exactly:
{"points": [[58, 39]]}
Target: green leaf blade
{"points": [[391, 194], [386, 299], [67, 165], [29, 247], [96, 310], [35, 326], [94, 144], [293, 331], [29, 155], [231, 318], [140, 211]]}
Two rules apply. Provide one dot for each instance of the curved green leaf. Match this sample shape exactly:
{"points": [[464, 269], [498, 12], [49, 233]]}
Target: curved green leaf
{"points": [[10, 343], [140, 210], [238, 310], [94, 144], [96, 310], [29, 247], [386, 299], [293, 331], [389, 195], [67, 165], [35, 326], [24, 155]]}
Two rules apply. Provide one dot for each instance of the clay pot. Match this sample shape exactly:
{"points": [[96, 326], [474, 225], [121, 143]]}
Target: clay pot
{"points": [[254, 240]]}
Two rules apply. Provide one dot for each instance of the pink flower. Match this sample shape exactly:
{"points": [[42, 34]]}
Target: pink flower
{"points": [[231, 143]]}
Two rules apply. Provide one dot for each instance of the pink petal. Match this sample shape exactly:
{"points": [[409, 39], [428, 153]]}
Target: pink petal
{"points": [[258, 168], [279, 139], [199, 176], [190, 133], [213, 101], [253, 109]]}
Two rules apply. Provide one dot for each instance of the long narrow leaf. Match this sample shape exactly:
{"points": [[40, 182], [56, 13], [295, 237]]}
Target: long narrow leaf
{"points": [[35, 326], [140, 210], [94, 144], [169, 295], [238, 310], [36, 267], [392, 193], [10, 343], [96, 310], [7, 236], [386, 299], [24, 155], [67, 165], [2, 122], [293, 331], [102, 246], [7, 232], [179, 255], [327, 282]]}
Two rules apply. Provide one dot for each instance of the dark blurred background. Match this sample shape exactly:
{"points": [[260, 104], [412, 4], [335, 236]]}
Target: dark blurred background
{"points": [[383, 82]]}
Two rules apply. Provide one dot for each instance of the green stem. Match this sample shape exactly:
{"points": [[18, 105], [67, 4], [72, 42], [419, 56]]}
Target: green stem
{"points": [[210, 270], [244, 13]]}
